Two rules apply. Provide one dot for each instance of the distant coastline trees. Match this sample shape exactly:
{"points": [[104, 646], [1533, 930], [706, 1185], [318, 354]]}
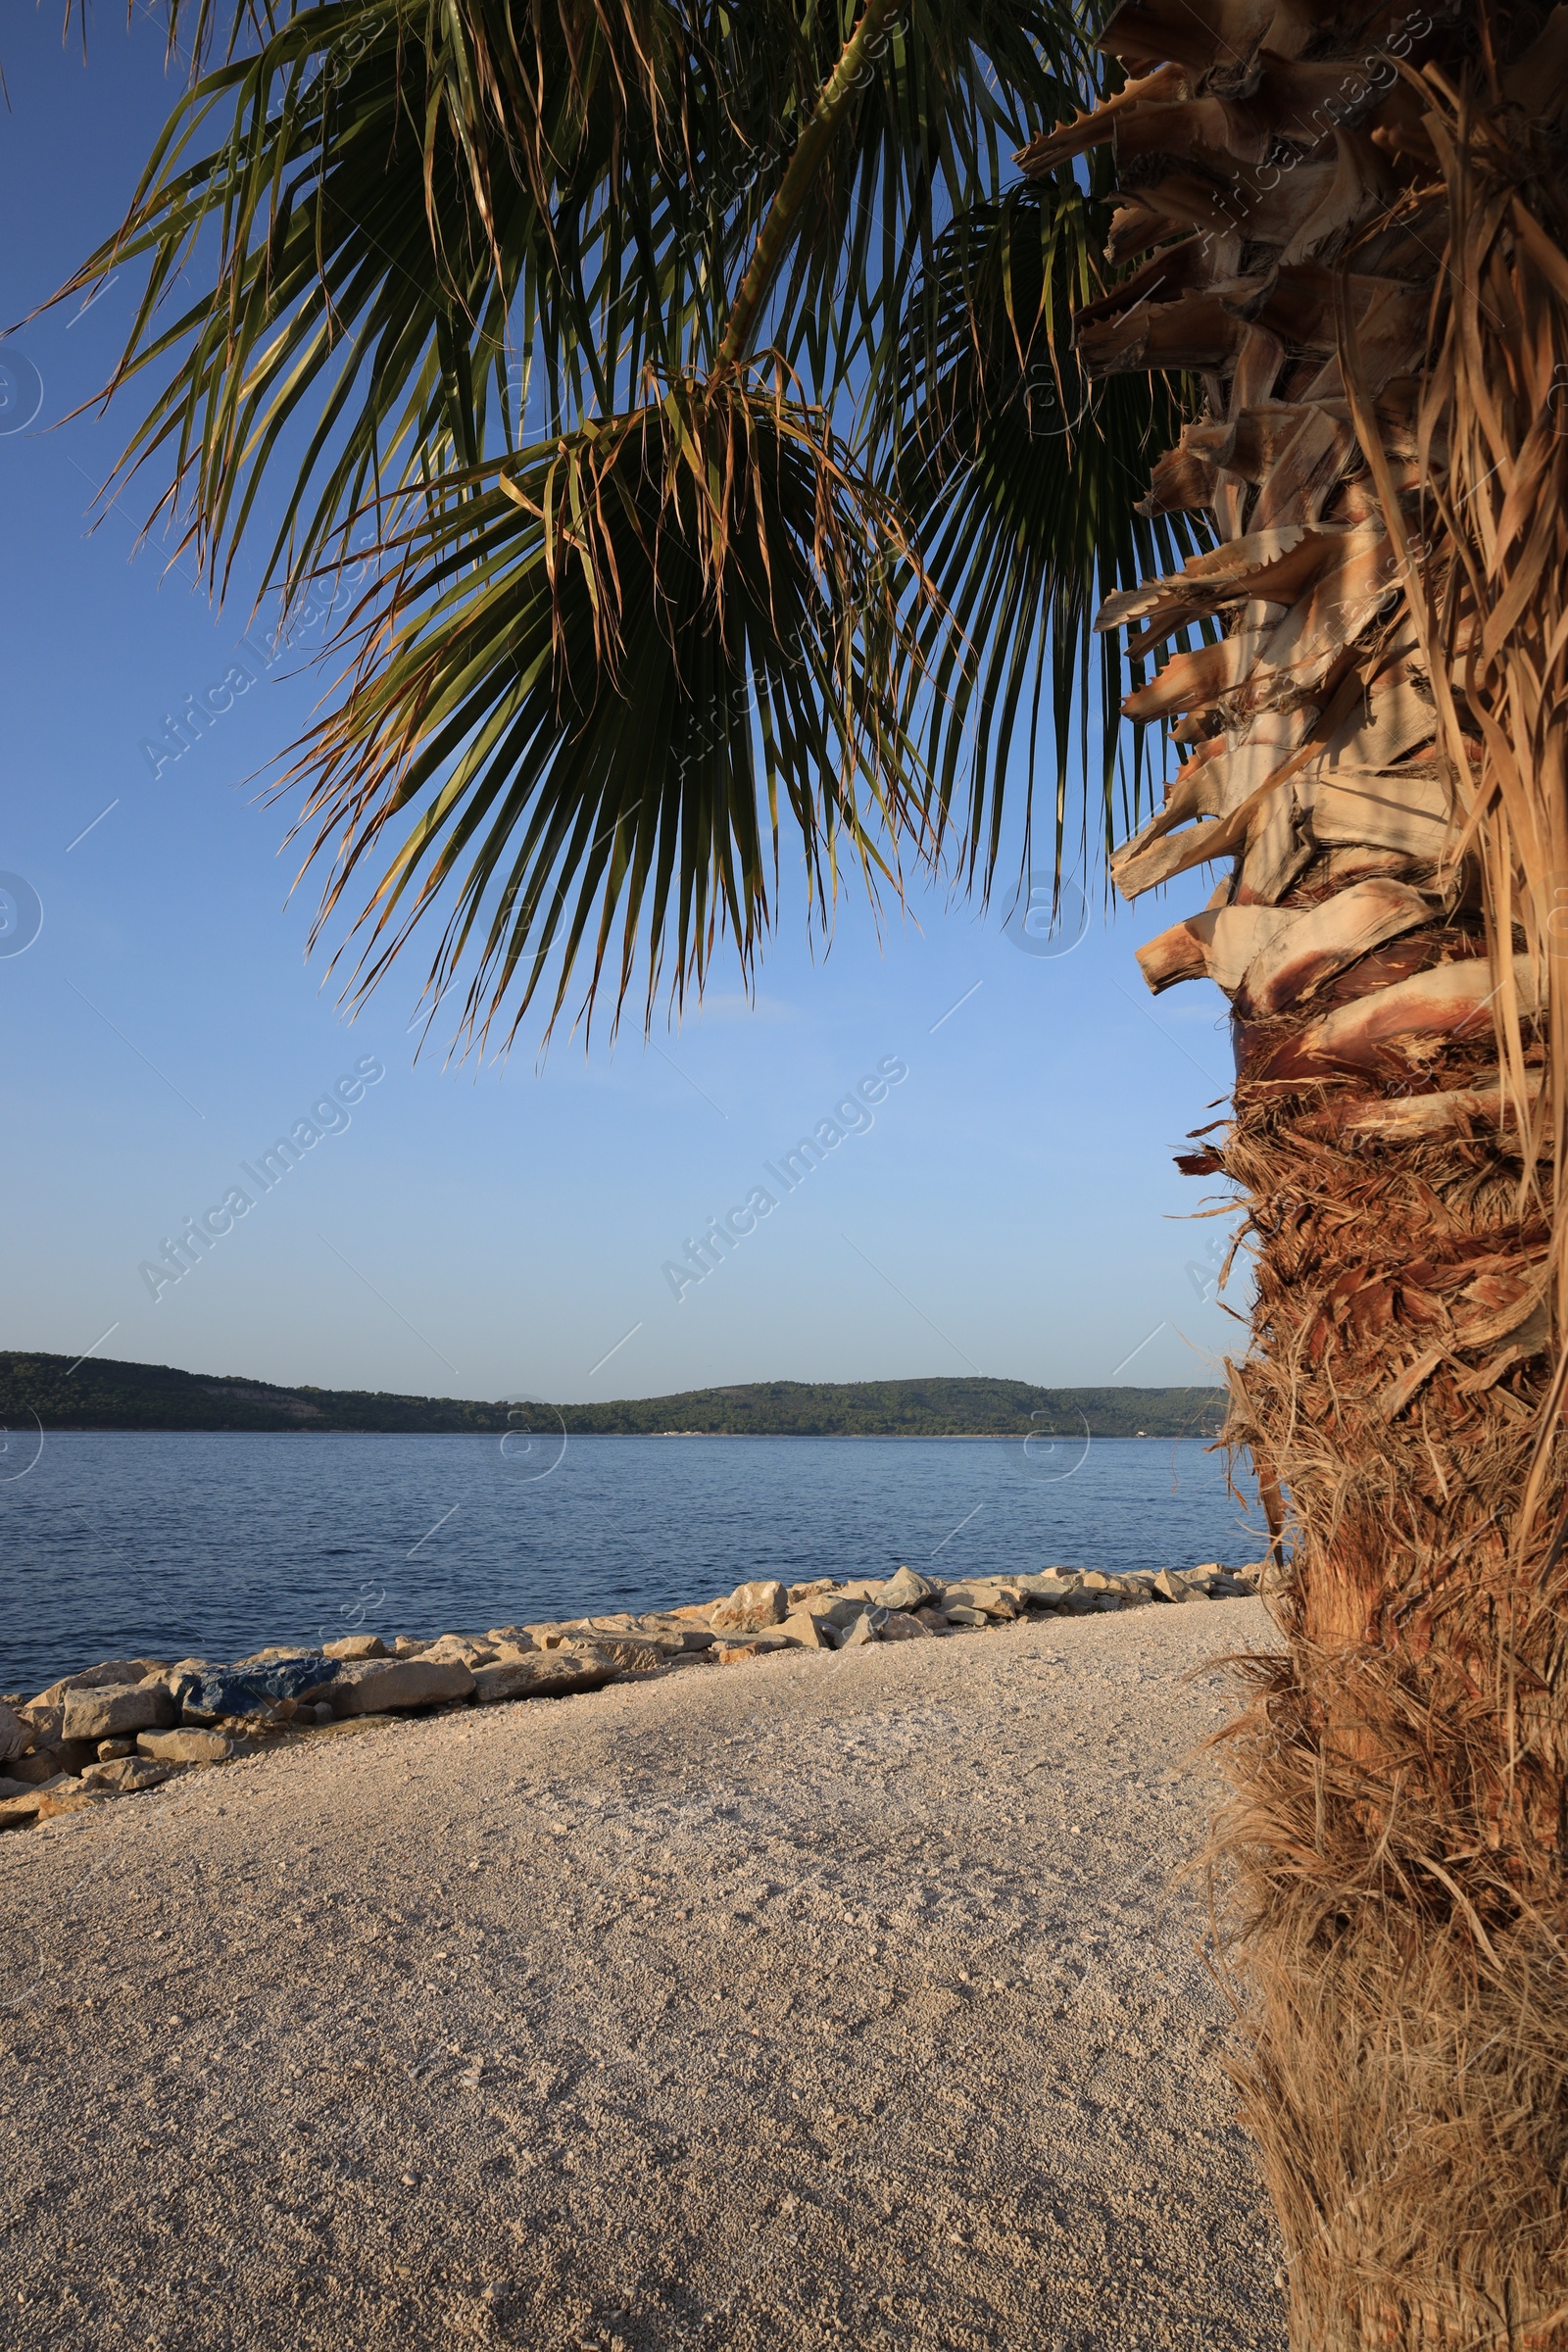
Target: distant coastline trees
{"points": [[102, 1394]]}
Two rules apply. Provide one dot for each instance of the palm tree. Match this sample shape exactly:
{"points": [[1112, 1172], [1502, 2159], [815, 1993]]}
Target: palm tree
{"points": [[672, 359], [699, 384], [1353, 224]]}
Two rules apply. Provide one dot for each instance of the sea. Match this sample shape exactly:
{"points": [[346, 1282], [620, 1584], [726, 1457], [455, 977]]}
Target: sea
{"points": [[211, 1545]]}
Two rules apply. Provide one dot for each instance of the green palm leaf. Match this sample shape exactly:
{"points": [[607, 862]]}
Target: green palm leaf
{"points": [[451, 254], [397, 193], [193, 23], [946, 90], [1020, 480], [598, 684]]}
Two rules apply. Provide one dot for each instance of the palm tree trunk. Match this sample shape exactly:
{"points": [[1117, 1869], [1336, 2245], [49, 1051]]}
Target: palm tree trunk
{"points": [[1355, 226]]}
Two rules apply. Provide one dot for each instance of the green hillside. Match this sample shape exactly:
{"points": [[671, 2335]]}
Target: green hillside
{"points": [[100, 1394], [912, 1408]]}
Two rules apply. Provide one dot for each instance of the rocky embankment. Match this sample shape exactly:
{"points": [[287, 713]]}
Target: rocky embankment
{"points": [[129, 1723]]}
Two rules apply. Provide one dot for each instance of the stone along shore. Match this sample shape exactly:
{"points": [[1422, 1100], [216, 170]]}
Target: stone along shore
{"points": [[130, 1724]]}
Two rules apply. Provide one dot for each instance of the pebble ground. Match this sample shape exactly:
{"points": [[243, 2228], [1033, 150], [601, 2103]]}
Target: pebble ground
{"points": [[834, 2000]]}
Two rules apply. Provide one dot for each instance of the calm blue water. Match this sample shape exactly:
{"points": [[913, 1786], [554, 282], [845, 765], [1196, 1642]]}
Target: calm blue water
{"points": [[122, 1543]]}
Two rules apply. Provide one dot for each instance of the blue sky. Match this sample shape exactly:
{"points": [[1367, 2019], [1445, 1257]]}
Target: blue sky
{"points": [[489, 1231]]}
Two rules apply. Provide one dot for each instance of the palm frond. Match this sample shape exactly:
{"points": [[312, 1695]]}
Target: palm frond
{"points": [[1020, 480], [601, 678], [194, 25], [955, 86], [442, 248], [426, 210], [393, 186]]}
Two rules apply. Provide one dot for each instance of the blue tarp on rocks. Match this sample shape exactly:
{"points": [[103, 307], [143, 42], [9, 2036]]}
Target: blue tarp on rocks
{"points": [[250, 1690]]}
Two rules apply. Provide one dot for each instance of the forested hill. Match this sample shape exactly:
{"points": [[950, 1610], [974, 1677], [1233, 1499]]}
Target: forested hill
{"points": [[100, 1394], [912, 1408]]}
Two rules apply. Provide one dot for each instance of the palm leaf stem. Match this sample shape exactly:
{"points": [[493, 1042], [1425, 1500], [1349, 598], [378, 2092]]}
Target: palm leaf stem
{"points": [[774, 236]]}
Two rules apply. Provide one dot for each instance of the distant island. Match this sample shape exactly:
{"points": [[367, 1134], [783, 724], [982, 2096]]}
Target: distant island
{"points": [[101, 1394]]}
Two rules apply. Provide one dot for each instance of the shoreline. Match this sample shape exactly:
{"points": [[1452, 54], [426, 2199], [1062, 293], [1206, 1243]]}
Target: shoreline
{"points": [[48, 1392], [129, 1726], [593, 1437]]}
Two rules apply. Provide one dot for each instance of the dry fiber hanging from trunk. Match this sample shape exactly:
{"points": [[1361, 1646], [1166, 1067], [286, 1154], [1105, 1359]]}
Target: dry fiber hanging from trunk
{"points": [[1352, 223]]}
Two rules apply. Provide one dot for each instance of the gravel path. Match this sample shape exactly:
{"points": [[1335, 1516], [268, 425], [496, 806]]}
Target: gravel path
{"points": [[830, 2000]]}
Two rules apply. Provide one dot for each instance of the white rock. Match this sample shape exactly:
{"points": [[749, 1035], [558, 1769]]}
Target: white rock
{"points": [[750, 1607], [629, 1654], [810, 1591], [462, 1647], [1050, 1591], [906, 1591], [127, 1776], [550, 1674], [997, 1601], [99, 1712], [370, 1685], [93, 1678], [1198, 1580], [185, 1746], [44, 1719]]}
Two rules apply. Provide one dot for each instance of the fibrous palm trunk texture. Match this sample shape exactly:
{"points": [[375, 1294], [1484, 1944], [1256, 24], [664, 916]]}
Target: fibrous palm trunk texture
{"points": [[1349, 223]]}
